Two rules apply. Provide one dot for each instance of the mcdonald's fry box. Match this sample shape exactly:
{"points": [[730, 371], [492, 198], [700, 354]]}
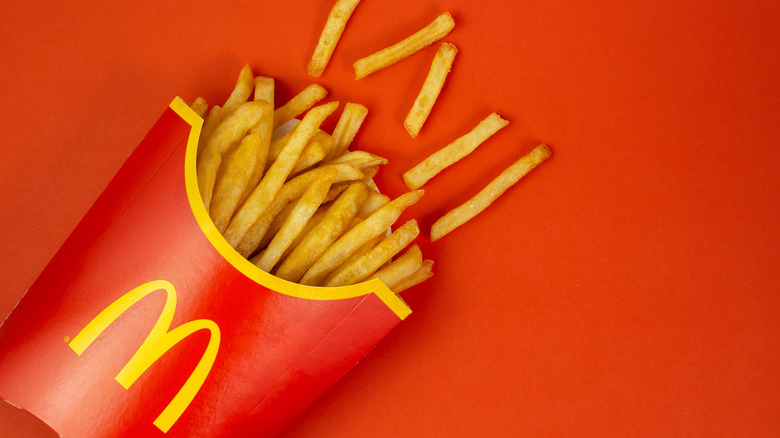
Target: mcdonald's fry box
{"points": [[147, 323]]}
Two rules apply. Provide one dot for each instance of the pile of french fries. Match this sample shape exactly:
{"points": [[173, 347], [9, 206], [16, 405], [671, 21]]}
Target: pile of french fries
{"points": [[301, 205]]}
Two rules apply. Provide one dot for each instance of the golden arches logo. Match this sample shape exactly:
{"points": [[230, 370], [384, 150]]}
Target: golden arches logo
{"points": [[159, 340]]}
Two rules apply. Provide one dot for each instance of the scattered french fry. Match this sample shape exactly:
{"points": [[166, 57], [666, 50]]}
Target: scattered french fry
{"points": [[298, 104], [417, 176], [460, 215], [367, 264], [366, 230], [436, 30], [337, 21], [273, 180], [241, 92], [434, 82], [347, 128]]}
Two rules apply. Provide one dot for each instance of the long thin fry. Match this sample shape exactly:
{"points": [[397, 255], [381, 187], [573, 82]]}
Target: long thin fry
{"points": [[316, 242], [292, 189], [425, 272], [299, 216], [359, 159], [334, 27], [233, 178], [312, 154], [241, 92], [263, 128], [400, 268], [434, 82], [209, 125], [264, 89], [417, 176], [436, 30], [459, 215], [298, 104], [226, 135], [374, 202], [200, 106], [347, 128], [366, 265], [373, 226], [273, 180]]}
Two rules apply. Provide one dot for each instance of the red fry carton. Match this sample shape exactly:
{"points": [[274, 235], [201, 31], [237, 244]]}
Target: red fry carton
{"points": [[147, 323]]}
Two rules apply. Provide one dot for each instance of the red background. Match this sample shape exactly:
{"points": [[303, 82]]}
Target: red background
{"points": [[628, 286]]}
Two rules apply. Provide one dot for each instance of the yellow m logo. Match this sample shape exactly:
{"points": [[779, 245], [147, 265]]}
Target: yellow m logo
{"points": [[156, 344]]}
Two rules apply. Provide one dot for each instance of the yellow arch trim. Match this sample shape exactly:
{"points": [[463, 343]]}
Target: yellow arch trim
{"points": [[393, 301]]}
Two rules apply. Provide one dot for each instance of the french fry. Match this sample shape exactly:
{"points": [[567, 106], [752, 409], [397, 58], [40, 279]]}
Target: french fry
{"points": [[320, 238], [292, 189], [436, 30], [370, 171], [400, 268], [425, 272], [460, 215], [312, 154], [417, 176], [273, 180], [359, 159], [334, 27], [200, 106], [241, 92], [298, 104], [263, 128], [327, 141], [367, 264], [297, 219], [368, 229], [209, 125], [233, 178], [440, 68], [313, 222], [227, 134], [347, 127], [373, 202], [264, 89]]}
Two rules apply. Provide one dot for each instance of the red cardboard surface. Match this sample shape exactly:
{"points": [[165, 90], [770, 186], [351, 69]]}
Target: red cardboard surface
{"points": [[628, 286]]}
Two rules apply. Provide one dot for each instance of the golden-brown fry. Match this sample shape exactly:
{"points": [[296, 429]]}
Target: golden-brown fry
{"points": [[459, 215], [373, 202], [337, 21], [400, 268], [347, 127], [431, 88], [292, 189], [370, 171], [367, 264], [297, 219], [209, 124], [272, 182], [373, 226], [421, 39], [241, 92], [298, 104], [425, 272], [312, 154], [264, 128], [200, 106], [359, 159], [226, 135], [264, 89], [448, 155], [317, 241], [326, 140], [233, 177]]}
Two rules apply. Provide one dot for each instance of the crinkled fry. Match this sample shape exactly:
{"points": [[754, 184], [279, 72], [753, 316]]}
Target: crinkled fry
{"points": [[373, 226], [436, 30], [298, 104], [367, 264], [417, 176], [461, 214], [400, 268], [272, 182], [434, 82]]}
